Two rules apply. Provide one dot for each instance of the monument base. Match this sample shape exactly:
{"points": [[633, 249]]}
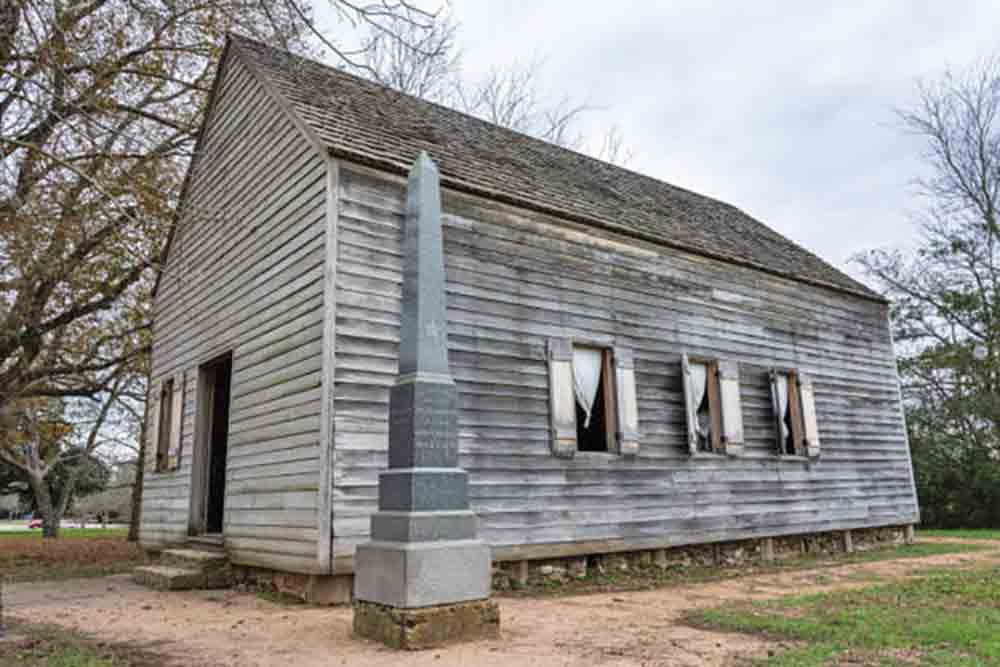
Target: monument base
{"points": [[427, 627], [412, 575]]}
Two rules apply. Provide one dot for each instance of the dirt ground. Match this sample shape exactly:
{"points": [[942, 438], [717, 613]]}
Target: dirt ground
{"points": [[615, 629]]}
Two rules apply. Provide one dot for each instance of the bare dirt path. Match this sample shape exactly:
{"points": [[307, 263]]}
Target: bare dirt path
{"points": [[614, 629]]}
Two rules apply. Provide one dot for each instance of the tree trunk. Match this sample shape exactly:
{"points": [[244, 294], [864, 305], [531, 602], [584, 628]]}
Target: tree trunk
{"points": [[44, 506], [135, 517]]}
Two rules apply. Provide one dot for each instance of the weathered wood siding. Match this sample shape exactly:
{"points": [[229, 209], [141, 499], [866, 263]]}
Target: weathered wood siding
{"points": [[245, 274], [516, 278]]}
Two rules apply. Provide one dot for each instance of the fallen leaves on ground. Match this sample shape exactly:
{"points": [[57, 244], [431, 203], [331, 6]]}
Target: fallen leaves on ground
{"points": [[31, 557]]}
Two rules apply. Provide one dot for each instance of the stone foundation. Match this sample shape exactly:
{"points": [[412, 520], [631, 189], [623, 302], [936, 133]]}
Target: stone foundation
{"points": [[324, 590], [427, 627], [337, 590], [878, 538], [508, 575]]}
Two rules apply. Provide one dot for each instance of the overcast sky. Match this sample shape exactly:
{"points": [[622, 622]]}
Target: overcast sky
{"points": [[784, 109]]}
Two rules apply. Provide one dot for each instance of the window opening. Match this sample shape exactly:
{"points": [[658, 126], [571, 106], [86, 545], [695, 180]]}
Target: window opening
{"points": [[594, 403], [163, 428]]}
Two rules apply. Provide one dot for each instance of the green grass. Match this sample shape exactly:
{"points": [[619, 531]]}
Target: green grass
{"points": [[915, 550], [54, 646], [280, 599], [68, 533], [677, 575], [965, 534], [947, 618]]}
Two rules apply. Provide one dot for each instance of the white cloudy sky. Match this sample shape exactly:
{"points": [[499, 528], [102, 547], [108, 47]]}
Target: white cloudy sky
{"points": [[784, 109]]}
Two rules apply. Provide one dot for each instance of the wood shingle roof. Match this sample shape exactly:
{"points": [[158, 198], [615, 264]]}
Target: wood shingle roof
{"points": [[365, 122]]}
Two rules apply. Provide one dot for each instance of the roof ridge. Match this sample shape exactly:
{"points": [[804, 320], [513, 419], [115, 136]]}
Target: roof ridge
{"points": [[481, 121]]}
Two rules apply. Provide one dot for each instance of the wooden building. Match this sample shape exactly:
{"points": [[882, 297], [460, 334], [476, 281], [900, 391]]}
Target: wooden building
{"points": [[639, 366]]}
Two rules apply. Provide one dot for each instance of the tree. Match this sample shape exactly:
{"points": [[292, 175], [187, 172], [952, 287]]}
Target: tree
{"points": [[100, 105], [428, 69], [946, 299], [55, 453], [139, 474]]}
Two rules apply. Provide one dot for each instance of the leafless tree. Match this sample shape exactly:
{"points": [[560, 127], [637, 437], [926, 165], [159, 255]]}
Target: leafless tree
{"points": [[946, 294], [510, 96], [613, 148], [400, 26], [428, 64], [414, 59]]}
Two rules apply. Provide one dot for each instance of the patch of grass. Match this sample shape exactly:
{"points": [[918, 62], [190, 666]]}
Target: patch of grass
{"points": [[964, 534], [650, 578], [916, 550], [53, 646], [280, 599], [947, 618], [67, 533], [30, 557], [862, 576]]}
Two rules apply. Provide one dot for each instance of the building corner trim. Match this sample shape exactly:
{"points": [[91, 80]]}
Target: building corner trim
{"points": [[326, 436]]}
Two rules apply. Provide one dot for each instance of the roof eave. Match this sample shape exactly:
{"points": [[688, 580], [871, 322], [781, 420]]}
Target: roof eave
{"points": [[467, 187]]}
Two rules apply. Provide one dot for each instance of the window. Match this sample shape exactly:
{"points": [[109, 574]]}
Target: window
{"points": [[169, 423], [787, 412], [592, 399], [796, 427], [164, 427], [594, 393], [701, 396], [712, 405]]}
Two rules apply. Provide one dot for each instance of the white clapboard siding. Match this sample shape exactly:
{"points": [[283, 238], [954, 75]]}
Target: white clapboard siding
{"points": [[516, 280], [244, 275]]}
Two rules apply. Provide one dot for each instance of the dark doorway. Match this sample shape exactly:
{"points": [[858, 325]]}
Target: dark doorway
{"points": [[219, 377]]}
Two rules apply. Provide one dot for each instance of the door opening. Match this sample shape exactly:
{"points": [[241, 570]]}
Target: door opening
{"points": [[218, 383]]}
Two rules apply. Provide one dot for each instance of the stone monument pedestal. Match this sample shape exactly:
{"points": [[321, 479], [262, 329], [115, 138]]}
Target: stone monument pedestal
{"points": [[427, 627], [424, 578]]}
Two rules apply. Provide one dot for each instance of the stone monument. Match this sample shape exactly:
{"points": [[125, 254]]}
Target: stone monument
{"points": [[424, 578]]}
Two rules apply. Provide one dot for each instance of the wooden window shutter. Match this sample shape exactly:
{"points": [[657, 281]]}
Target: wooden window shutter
{"points": [[153, 425], [732, 409], [626, 403], [177, 423], [562, 400], [809, 421], [690, 410]]}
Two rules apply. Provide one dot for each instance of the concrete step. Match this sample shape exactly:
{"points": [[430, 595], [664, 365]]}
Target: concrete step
{"points": [[165, 578], [195, 559], [212, 542], [173, 578]]}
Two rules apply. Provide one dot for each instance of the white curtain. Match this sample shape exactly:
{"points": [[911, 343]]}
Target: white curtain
{"points": [[586, 377], [781, 382], [697, 384]]}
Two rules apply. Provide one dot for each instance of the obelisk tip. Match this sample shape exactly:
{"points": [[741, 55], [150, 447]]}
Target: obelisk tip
{"points": [[422, 163]]}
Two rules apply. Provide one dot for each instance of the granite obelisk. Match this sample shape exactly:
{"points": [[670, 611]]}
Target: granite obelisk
{"points": [[424, 578]]}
